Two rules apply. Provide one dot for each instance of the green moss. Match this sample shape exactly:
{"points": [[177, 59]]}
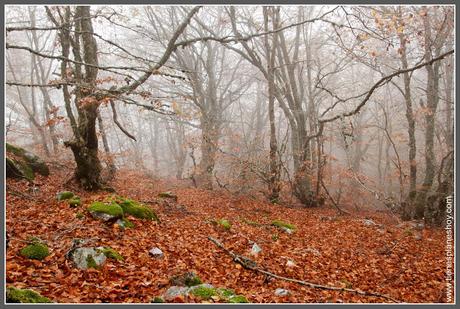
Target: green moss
{"points": [[13, 169], [111, 253], [238, 299], [91, 262], [75, 201], [157, 300], [112, 209], [26, 170], [224, 223], [137, 210], [14, 295], [408, 232], [204, 292], [64, 195], [192, 281], [79, 215], [125, 223], [252, 223], [33, 239], [186, 279], [167, 194], [347, 283], [225, 293], [15, 150], [281, 224], [35, 251]]}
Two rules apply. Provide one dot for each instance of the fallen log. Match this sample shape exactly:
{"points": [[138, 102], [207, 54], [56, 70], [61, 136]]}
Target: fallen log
{"points": [[252, 265]]}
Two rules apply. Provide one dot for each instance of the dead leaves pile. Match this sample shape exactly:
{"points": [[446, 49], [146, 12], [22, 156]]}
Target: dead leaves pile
{"points": [[341, 252]]}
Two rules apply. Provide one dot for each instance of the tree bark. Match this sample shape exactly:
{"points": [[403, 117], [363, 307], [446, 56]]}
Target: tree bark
{"points": [[407, 207], [274, 170]]}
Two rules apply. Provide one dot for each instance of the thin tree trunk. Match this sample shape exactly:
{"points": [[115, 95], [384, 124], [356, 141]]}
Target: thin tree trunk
{"points": [[110, 164], [408, 206]]}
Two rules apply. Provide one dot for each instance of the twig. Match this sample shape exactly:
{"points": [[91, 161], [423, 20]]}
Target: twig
{"points": [[20, 194], [332, 199], [249, 264], [115, 119]]}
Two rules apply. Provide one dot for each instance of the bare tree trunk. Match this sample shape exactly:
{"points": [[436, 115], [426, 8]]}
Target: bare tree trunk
{"points": [[210, 132], [85, 143], [110, 164], [274, 176], [408, 206], [35, 126], [432, 99], [41, 76]]}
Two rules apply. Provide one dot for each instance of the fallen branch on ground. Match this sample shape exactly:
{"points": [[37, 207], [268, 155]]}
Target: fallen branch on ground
{"points": [[249, 264]]}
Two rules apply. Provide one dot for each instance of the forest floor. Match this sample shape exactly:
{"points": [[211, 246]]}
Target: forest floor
{"points": [[325, 248]]}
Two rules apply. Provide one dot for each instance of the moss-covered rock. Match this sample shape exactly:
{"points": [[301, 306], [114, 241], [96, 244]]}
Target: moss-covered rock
{"points": [[87, 257], [111, 253], [283, 225], [186, 279], [14, 149], [238, 299], [226, 293], [203, 292], [207, 291], [223, 223], [135, 209], [75, 201], [91, 262], [64, 195], [35, 251], [157, 299], [168, 194], [23, 164], [14, 295], [18, 169], [37, 164], [106, 211], [125, 223]]}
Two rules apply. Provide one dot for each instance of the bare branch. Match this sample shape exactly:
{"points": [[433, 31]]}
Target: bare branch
{"points": [[384, 80]]}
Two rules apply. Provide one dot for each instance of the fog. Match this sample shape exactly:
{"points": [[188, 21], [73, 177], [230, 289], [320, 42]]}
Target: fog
{"points": [[346, 106]]}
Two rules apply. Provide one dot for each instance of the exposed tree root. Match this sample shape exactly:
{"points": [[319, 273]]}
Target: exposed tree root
{"points": [[249, 264]]}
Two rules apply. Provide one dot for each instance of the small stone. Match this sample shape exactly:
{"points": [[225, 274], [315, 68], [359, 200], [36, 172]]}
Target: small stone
{"points": [[203, 285], [281, 292], [255, 249], [368, 222], [156, 253], [186, 279], [102, 216], [313, 250], [287, 230], [419, 226], [174, 292], [290, 263], [81, 257]]}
